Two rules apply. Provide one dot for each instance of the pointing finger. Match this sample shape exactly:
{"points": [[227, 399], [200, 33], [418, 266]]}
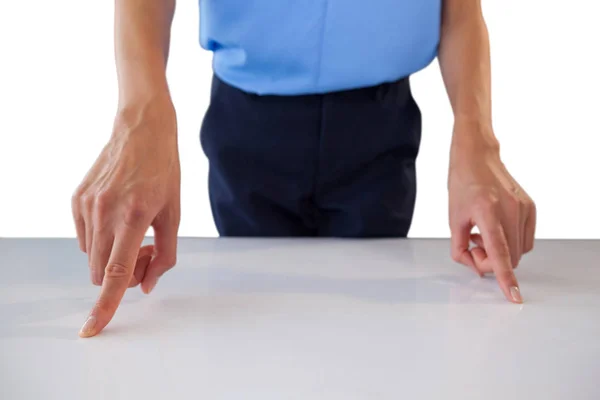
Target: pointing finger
{"points": [[498, 255], [117, 275]]}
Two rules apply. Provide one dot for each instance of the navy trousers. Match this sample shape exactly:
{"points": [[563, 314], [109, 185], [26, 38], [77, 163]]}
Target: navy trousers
{"points": [[340, 164]]}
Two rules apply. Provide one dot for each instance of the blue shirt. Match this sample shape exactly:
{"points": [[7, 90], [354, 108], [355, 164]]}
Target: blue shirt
{"points": [[293, 47]]}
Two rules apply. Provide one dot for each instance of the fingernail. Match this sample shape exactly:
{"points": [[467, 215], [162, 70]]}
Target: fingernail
{"points": [[475, 270], [152, 286], [479, 274], [516, 294], [88, 327], [95, 277]]}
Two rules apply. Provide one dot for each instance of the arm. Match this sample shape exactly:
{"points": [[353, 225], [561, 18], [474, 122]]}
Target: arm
{"points": [[481, 191], [464, 57], [135, 182], [142, 37]]}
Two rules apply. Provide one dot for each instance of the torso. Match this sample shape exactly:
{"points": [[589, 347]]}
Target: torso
{"points": [[292, 47]]}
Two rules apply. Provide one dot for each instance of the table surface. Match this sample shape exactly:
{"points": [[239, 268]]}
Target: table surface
{"points": [[304, 319]]}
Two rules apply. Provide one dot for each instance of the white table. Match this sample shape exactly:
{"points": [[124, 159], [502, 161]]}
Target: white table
{"points": [[304, 319]]}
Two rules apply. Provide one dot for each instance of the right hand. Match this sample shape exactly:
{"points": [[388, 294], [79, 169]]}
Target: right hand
{"points": [[134, 184]]}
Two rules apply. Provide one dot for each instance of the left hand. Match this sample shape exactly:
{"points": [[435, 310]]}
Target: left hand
{"points": [[482, 193]]}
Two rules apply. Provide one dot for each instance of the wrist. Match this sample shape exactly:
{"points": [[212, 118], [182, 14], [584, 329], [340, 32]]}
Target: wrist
{"points": [[154, 114], [146, 94], [474, 134], [473, 140], [141, 82], [139, 94]]}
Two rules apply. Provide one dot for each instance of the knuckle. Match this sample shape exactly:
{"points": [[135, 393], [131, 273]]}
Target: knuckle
{"points": [[506, 275], [456, 256], [87, 200], [486, 203], [105, 306], [135, 213], [103, 202], [102, 209], [513, 201], [116, 271], [503, 252], [79, 191]]}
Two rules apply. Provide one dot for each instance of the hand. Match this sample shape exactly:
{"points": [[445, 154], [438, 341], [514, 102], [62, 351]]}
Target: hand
{"points": [[134, 184], [482, 193]]}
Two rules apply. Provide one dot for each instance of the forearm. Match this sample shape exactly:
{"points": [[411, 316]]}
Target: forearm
{"points": [[142, 36], [464, 57]]}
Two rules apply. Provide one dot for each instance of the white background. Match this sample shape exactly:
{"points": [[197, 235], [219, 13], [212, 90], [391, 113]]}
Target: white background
{"points": [[58, 97]]}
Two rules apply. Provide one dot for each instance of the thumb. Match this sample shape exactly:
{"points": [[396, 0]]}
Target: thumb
{"points": [[165, 255], [143, 260], [459, 242]]}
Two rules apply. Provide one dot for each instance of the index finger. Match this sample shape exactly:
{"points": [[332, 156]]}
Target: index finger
{"points": [[117, 276], [498, 253]]}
